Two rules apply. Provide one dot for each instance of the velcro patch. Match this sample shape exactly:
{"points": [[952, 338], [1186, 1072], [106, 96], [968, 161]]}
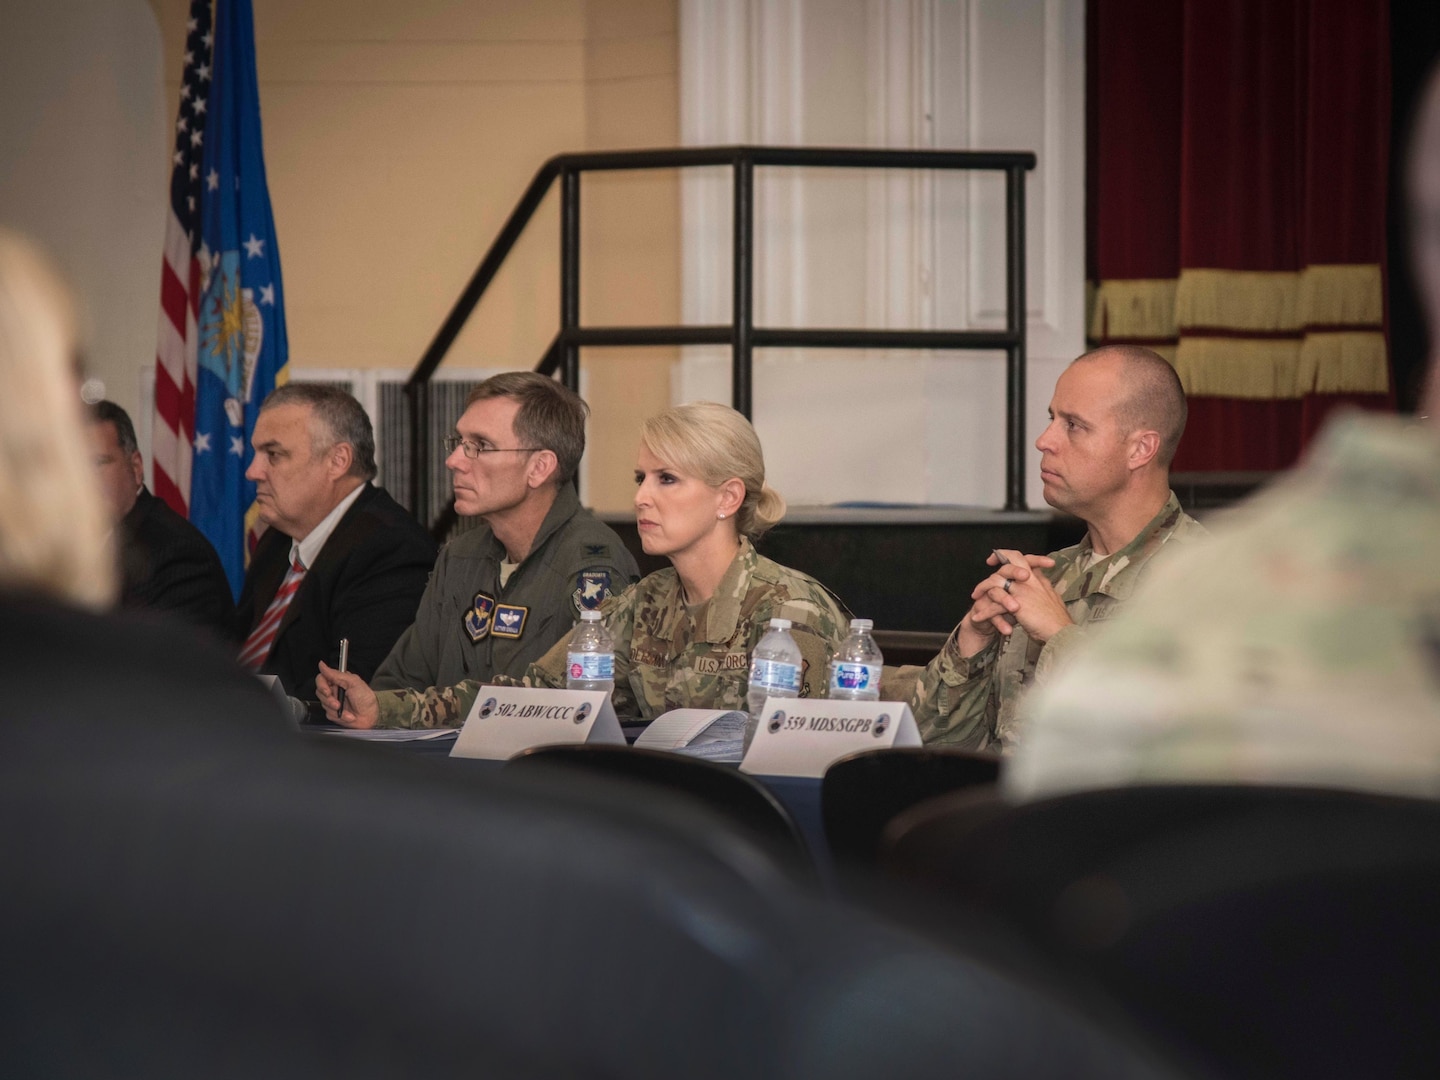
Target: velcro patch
{"points": [[477, 619], [591, 589], [510, 620]]}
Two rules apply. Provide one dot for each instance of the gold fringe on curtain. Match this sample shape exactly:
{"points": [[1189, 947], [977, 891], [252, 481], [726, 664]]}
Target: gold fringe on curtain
{"points": [[1348, 362], [1329, 316], [1240, 367], [1238, 300], [1136, 308], [1341, 295], [1320, 363]]}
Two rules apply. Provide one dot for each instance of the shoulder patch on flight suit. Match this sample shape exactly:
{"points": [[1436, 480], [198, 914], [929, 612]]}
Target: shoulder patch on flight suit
{"points": [[477, 619], [591, 589], [510, 620]]}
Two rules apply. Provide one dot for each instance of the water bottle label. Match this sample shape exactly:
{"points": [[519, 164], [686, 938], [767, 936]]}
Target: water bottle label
{"points": [[591, 666], [775, 675], [854, 676]]}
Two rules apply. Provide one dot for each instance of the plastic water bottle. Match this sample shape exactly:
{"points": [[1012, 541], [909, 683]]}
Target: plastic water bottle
{"points": [[855, 667], [774, 671], [590, 657]]}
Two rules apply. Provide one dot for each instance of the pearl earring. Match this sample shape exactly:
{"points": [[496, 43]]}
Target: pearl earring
{"points": [[721, 515]]}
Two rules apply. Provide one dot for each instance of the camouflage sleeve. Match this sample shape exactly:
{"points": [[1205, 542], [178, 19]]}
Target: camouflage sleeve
{"points": [[951, 698], [546, 673], [1060, 650], [437, 707], [549, 671], [818, 627], [815, 651], [619, 612]]}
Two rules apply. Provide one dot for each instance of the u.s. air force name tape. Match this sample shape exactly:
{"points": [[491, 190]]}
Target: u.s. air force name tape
{"points": [[508, 719], [803, 737]]}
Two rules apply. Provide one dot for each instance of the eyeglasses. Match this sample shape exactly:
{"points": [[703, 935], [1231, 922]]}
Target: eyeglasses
{"points": [[474, 450]]}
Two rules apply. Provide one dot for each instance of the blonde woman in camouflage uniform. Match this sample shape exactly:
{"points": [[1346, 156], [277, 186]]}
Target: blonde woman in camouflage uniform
{"points": [[682, 636]]}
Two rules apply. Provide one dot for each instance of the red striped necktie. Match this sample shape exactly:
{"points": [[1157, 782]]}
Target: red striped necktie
{"points": [[262, 638]]}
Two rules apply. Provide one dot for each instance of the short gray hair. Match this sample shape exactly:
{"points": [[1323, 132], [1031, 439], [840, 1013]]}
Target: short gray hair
{"points": [[551, 416], [342, 417]]}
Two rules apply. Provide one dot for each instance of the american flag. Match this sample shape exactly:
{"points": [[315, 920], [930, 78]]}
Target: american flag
{"points": [[174, 426], [222, 344]]}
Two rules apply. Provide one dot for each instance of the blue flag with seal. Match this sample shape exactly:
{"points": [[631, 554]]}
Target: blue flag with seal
{"points": [[242, 350]]}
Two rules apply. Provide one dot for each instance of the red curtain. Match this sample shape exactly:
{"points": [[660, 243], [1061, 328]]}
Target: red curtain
{"points": [[1238, 157]]}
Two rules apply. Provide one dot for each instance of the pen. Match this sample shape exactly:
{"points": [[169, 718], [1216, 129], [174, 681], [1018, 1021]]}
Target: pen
{"points": [[999, 558], [344, 666]]}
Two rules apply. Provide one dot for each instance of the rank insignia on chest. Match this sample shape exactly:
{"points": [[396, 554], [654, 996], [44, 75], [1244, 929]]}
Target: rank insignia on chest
{"points": [[478, 619], [591, 589], [510, 620]]}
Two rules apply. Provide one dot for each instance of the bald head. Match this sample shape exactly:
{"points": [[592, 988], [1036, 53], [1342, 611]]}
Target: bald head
{"points": [[1154, 399]]}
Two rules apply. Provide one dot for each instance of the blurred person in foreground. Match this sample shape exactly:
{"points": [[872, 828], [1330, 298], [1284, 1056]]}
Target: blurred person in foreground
{"points": [[58, 564], [55, 541], [683, 635], [166, 563], [1116, 419], [1302, 645]]}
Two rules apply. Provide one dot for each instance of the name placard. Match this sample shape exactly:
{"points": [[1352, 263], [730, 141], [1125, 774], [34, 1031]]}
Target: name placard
{"points": [[508, 719], [801, 737]]}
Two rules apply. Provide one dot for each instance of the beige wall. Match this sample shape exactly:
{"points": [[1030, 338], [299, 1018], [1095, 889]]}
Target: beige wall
{"points": [[399, 136], [84, 155], [630, 227]]}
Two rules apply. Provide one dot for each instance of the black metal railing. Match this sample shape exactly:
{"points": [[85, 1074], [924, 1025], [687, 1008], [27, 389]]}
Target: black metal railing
{"points": [[741, 334]]}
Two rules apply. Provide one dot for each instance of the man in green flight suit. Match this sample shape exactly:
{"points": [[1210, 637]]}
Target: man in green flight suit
{"points": [[1116, 418], [502, 593]]}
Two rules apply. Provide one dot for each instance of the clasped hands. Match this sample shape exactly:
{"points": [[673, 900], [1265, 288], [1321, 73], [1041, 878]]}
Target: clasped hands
{"points": [[1014, 595]]}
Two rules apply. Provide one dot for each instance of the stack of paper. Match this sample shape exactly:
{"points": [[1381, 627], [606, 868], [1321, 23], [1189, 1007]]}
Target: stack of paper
{"points": [[712, 734]]}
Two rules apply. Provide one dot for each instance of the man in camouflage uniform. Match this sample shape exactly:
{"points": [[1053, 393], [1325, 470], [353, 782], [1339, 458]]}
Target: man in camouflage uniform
{"points": [[1301, 646], [502, 593], [1115, 421], [667, 655]]}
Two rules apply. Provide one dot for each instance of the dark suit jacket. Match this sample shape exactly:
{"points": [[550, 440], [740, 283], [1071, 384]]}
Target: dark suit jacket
{"points": [[365, 585], [168, 565]]}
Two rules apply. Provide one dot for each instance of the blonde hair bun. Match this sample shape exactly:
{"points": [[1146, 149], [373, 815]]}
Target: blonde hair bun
{"points": [[715, 443], [769, 508]]}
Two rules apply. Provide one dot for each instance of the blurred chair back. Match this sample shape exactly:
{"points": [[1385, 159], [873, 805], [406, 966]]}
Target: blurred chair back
{"points": [[1273, 931], [863, 792], [740, 799], [192, 890]]}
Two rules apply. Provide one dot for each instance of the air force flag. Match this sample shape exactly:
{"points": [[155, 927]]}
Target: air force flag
{"points": [[242, 349]]}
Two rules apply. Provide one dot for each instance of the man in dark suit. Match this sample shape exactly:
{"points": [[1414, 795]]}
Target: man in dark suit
{"points": [[166, 563], [341, 559]]}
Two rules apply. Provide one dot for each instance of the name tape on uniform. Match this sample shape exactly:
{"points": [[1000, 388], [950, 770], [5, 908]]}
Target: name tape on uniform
{"points": [[803, 737], [508, 719]]}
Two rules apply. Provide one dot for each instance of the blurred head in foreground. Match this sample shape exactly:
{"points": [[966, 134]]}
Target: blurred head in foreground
{"points": [[54, 531]]}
